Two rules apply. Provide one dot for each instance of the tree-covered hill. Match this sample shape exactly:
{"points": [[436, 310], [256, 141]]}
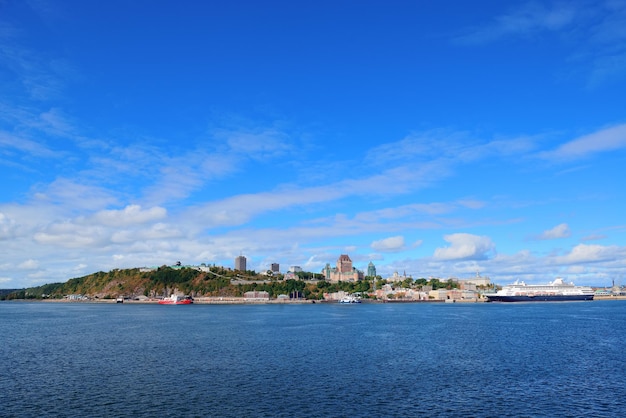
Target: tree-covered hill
{"points": [[133, 283], [217, 281], [213, 281]]}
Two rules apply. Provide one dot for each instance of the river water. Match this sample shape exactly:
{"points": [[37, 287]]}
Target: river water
{"points": [[457, 360]]}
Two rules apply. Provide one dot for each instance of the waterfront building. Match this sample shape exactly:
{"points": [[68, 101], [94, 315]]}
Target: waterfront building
{"points": [[459, 294], [371, 270], [256, 295], [439, 294], [344, 272], [240, 263]]}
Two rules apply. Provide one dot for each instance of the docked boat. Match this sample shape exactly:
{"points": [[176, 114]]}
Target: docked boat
{"points": [[176, 300], [558, 290], [350, 299]]}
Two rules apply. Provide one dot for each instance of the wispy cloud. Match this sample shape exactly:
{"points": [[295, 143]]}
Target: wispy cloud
{"points": [[261, 143], [10, 143], [73, 196], [55, 122], [420, 146], [130, 215], [524, 21], [37, 75], [604, 140], [592, 31], [447, 148], [241, 208], [606, 43], [153, 233], [559, 231]]}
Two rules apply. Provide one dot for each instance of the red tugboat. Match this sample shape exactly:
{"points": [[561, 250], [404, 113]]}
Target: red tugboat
{"points": [[176, 300]]}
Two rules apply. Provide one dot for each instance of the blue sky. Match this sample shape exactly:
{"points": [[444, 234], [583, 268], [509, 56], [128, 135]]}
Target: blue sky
{"points": [[436, 138]]}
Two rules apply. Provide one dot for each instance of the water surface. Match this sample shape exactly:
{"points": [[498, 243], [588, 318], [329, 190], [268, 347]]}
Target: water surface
{"points": [[535, 359]]}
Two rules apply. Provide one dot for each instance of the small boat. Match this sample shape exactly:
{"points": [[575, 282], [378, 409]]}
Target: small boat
{"points": [[176, 300]]}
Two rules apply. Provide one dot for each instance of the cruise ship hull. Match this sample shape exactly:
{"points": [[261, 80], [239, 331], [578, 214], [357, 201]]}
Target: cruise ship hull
{"points": [[543, 298]]}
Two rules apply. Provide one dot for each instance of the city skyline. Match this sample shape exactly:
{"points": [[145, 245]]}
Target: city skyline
{"points": [[436, 138]]}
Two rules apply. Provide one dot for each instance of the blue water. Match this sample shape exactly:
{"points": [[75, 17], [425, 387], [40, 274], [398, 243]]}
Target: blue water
{"points": [[459, 360]]}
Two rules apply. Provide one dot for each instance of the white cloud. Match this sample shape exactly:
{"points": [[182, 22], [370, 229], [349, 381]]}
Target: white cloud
{"points": [[71, 235], [29, 264], [74, 196], [7, 227], [79, 269], [390, 244], [576, 269], [583, 253], [157, 231], [130, 215], [605, 140], [559, 231], [465, 246]]}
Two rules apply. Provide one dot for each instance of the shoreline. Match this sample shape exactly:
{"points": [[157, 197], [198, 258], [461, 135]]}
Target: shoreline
{"points": [[242, 301]]}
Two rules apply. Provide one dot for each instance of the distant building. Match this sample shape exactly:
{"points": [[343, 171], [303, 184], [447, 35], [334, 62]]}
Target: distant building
{"points": [[463, 285], [371, 270], [275, 268], [396, 277], [240, 263], [344, 272], [295, 269], [479, 280]]}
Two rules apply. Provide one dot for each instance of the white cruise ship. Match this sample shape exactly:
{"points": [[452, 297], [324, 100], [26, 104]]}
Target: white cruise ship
{"points": [[557, 290]]}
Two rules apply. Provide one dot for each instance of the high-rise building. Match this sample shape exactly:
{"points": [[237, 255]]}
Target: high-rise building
{"points": [[371, 270], [240, 263], [275, 268]]}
